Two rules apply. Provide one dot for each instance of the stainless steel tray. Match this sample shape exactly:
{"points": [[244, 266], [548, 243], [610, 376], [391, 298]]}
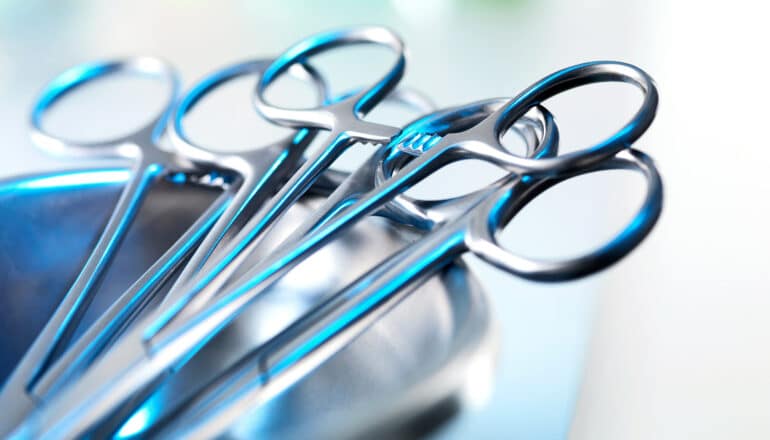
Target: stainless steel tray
{"points": [[403, 377]]}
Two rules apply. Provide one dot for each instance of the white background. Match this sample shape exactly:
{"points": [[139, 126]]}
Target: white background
{"points": [[670, 343]]}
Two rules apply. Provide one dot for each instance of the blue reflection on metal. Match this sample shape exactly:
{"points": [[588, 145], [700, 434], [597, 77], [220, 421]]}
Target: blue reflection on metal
{"points": [[138, 422], [95, 348], [304, 48], [630, 235], [172, 310], [432, 142], [298, 252], [320, 42], [260, 186], [555, 83], [144, 181], [496, 212], [66, 82], [442, 252], [333, 213], [69, 179], [178, 178], [301, 135]]}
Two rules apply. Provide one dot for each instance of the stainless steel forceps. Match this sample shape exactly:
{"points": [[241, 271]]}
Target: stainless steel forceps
{"points": [[346, 130], [421, 216], [259, 170], [149, 162], [323, 331], [481, 142], [161, 344]]}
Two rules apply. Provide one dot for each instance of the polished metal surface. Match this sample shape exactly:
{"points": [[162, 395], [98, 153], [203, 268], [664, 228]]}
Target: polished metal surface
{"points": [[218, 288], [628, 353], [343, 121], [415, 361], [249, 179], [37, 373], [150, 161]]}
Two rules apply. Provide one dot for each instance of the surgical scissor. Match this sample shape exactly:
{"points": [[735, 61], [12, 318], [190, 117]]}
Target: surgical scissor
{"points": [[346, 131], [354, 185], [435, 149], [150, 352], [259, 170], [419, 216], [156, 349], [259, 180], [149, 162], [323, 331], [481, 142]]}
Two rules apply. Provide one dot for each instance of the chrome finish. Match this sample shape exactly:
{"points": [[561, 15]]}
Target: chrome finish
{"points": [[149, 162], [140, 373], [257, 172], [432, 344], [226, 284]]}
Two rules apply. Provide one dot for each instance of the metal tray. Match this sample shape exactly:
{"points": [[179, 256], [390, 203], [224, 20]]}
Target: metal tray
{"points": [[402, 378]]}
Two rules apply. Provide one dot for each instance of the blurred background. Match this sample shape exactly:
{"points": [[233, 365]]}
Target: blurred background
{"points": [[672, 342]]}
